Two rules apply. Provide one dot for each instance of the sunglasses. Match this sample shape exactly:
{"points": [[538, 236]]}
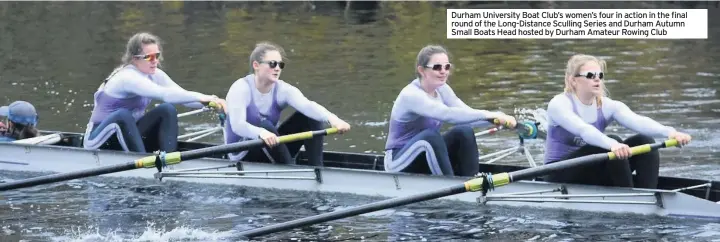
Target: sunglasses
{"points": [[149, 57], [274, 64], [438, 67], [591, 75]]}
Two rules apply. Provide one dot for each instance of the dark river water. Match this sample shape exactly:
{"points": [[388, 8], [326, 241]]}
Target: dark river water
{"points": [[353, 61]]}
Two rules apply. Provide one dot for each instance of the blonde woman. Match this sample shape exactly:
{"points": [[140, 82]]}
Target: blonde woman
{"points": [[577, 119]]}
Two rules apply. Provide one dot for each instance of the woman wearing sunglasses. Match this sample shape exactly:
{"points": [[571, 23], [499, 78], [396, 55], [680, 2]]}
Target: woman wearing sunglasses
{"points": [[414, 142], [254, 106], [119, 120], [577, 119]]}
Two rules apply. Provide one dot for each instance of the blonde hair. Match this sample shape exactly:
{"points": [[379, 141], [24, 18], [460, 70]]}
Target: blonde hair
{"points": [[574, 65]]}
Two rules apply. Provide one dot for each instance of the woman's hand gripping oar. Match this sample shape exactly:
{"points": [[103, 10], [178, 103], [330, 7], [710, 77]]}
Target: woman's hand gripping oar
{"points": [[525, 129], [483, 184], [160, 160]]}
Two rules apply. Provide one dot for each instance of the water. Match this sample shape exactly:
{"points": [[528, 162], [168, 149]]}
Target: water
{"points": [[55, 55], [111, 209]]}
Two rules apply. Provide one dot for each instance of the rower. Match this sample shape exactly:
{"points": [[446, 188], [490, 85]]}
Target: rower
{"points": [[119, 120], [254, 106], [22, 119], [577, 119], [414, 143]]}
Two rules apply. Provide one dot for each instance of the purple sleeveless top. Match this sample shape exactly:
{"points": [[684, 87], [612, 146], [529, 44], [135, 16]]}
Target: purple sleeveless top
{"points": [[252, 113], [560, 142], [105, 105], [401, 132]]}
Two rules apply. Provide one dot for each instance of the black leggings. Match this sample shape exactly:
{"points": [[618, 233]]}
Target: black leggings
{"points": [[285, 153], [156, 130], [456, 153], [614, 172]]}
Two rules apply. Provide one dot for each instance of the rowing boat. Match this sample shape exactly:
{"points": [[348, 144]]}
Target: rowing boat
{"points": [[363, 174]]}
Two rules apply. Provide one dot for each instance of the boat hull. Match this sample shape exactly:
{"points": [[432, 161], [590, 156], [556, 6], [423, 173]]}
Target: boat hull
{"points": [[48, 158]]}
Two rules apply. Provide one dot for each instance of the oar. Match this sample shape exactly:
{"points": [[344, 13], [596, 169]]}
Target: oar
{"points": [[525, 129], [161, 160], [482, 183]]}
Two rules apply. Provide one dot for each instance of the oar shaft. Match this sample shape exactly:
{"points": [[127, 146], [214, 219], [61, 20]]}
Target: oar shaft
{"points": [[321, 218], [584, 161], [65, 176], [556, 166], [163, 159], [200, 153], [482, 183]]}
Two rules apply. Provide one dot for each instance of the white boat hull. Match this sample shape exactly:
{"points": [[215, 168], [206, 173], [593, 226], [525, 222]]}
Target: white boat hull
{"points": [[45, 158]]}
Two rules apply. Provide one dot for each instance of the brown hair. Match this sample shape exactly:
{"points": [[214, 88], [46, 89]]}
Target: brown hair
{"points": [[21, 131], [261, 49], [134, 47], [423, 57]]}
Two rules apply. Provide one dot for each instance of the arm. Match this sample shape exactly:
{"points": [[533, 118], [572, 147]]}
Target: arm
{"points": [[149, 89], [417, 102], [297, 100], [638, 123], [165, 81], [238, 98], [453, 100], [560, 111]]}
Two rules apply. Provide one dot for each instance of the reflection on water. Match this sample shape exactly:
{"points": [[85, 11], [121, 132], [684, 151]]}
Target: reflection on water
{"points": [[354, 60]]}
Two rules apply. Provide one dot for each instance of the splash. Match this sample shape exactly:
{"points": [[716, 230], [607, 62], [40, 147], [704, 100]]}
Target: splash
{"points": [[536, 115], [151, 233]]}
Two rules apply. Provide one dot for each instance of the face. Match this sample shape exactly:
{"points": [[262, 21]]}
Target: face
{"points": [[436, 72], [589, 79], [148, 60], [270, 67]]}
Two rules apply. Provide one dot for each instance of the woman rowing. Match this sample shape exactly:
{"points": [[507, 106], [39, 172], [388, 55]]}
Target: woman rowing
{"points": [[255, 103], [414, 143], [121, 100], [22, 119], [577, 119]]}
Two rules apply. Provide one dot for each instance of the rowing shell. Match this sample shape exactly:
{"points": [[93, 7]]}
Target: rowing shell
{"points": [[362, 174]]}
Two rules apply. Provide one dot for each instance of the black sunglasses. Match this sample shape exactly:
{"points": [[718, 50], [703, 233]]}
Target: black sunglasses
{"points": [[438, 67], [274, 64], [591, 75]]}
